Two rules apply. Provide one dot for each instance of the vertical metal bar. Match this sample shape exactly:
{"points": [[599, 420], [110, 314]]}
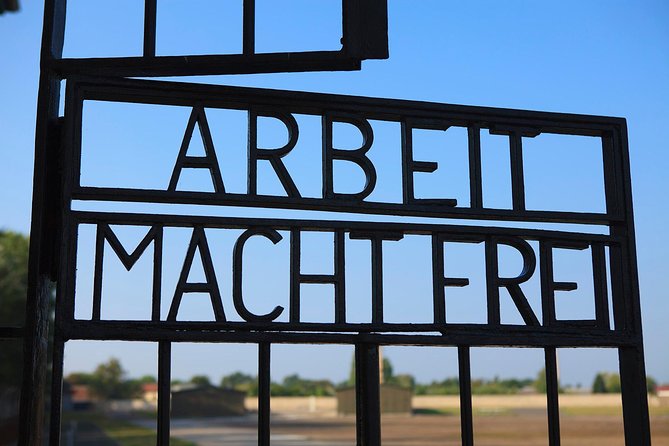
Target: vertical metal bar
{"points": [[367, 395], [150, 12], [407, 157], [552, 390], [328, 175], [74, 110], [475, 180], [600, 286], [438, 293], [252, 153], [295, 275], [365, 28], [491, 274], [634, 396], [517, 175], [339, 277], [612, 192], [65, 298], [97, 274], [56, 392], [547, 288], [157, 273], [164, 392], [64, 313], [466, 413], [249, 39], [41, 235], [632, 368], [264, 393], [617, 291], [377, 280]]}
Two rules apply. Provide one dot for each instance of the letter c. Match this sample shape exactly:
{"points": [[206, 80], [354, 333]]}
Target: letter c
{"points": [[237, 297]]}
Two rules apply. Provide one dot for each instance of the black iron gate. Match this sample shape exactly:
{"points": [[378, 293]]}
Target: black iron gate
{"points": [[57, 221]]}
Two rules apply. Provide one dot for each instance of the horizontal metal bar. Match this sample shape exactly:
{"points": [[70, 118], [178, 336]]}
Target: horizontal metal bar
{"points": [[316, 278], [188, 65], [457, 231], [336, 205], [176, 93], [517, 336], [384, 327]]}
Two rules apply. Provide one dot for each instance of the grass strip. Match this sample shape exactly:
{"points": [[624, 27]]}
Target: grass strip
{"points": [[122, 432]]}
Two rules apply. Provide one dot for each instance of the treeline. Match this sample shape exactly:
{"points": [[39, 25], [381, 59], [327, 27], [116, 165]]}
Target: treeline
{"points": [[291, 385], [610, 383], [109, 381], [495, 386], [294, 385], [13, 291]]}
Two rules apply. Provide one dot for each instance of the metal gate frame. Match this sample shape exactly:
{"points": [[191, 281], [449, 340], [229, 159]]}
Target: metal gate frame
{"points": [[53, 244]]}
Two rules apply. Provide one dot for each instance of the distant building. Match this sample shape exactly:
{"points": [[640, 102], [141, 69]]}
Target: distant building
{"points": [[662, 391], [150, 393], [206, 401], [394, 399], [77, 397]]}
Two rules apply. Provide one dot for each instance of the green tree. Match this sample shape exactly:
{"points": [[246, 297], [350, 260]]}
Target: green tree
{"points": [[403, 380], [201, 380], [612, 383], [539, 383], [13, 291], [499, 386], [293, 385], [599, 384], [651, 385], [13, 277], [236, 379], [242, 382], [606, 383], [351, 374], [147, 379], [109, 381], [449, 386], [80, 378], [387, 370]]}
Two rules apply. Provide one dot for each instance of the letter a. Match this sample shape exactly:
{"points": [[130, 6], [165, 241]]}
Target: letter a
{"points": [[198, 241], [208, 161]]}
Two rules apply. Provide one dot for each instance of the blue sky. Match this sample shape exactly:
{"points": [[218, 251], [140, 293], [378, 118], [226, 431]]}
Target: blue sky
{"points": [[600, 57]]}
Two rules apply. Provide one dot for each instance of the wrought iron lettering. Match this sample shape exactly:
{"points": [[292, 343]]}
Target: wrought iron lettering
{"points": [[377, 234]]}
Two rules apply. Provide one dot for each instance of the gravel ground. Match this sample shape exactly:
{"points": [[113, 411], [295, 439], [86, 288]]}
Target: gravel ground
{"points": [[520, 429]]}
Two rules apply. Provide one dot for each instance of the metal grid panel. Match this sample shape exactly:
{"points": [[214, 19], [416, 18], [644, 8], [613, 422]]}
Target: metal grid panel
{"points": [[54, 242], [549, 333], [365, 36]]}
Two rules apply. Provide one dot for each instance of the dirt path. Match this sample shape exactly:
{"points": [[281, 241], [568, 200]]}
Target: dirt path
{"points": [[419, 430]]}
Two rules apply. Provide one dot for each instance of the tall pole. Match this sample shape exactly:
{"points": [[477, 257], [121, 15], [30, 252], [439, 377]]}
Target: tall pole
{"points": [[42, 232]]}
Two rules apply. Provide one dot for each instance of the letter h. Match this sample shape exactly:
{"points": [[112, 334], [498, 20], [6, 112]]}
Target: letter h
{"points": [[297, 278]]}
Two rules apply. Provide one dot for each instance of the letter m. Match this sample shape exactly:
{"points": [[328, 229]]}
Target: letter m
{"points": [[104, 232]]}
